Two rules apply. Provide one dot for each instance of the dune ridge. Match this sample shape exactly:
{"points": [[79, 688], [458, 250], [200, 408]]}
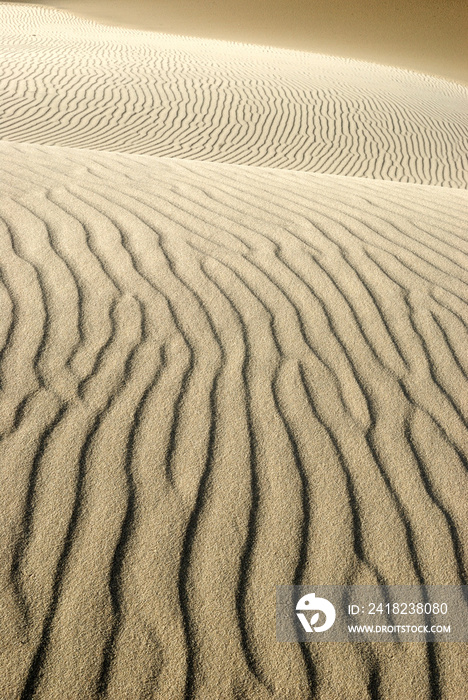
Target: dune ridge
{"points": [[220, 373], [82, 85]]}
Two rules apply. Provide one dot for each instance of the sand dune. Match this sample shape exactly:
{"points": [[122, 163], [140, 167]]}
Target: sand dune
{"points": [[217, 378], [86, 86]]}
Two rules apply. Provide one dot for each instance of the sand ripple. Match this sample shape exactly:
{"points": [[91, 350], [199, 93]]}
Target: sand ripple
{"points": [[217, 378], [230, 378], [70, 82]]}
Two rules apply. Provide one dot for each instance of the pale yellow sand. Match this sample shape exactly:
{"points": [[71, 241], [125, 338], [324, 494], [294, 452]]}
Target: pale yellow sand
{"points": [[69, 82], [423, 35], [217, 378]]}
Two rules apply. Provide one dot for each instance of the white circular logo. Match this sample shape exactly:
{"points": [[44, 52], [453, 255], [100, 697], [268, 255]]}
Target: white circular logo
{"points": [[310, 603]]}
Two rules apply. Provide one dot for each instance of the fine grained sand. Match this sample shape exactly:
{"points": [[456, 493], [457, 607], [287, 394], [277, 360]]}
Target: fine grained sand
{"points": [[428, 36], [221, 376]]}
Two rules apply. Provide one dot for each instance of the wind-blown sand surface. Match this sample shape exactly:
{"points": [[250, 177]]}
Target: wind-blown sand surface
{"points": [[428, 36], [218, 377]]}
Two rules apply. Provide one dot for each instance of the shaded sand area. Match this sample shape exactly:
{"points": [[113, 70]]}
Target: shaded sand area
{"points": [[219, 372]]}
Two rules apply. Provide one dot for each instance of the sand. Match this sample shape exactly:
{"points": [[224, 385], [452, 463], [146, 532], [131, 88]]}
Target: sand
{"points": [[429, 36], [233, 355]]}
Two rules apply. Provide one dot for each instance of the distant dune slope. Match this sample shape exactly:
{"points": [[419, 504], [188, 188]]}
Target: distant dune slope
{"points": [[216, 379], [70, 82]]}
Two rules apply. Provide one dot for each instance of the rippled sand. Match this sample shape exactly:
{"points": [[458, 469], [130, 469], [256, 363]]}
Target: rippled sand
{"points": [[233, 354]]}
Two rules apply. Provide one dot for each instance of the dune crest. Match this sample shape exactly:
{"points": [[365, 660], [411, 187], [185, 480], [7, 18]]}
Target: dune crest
{"points": [[83, 85]]}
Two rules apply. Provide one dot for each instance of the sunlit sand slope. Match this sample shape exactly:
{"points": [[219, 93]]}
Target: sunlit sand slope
{"points": [[216, 379], [70, 82]]}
